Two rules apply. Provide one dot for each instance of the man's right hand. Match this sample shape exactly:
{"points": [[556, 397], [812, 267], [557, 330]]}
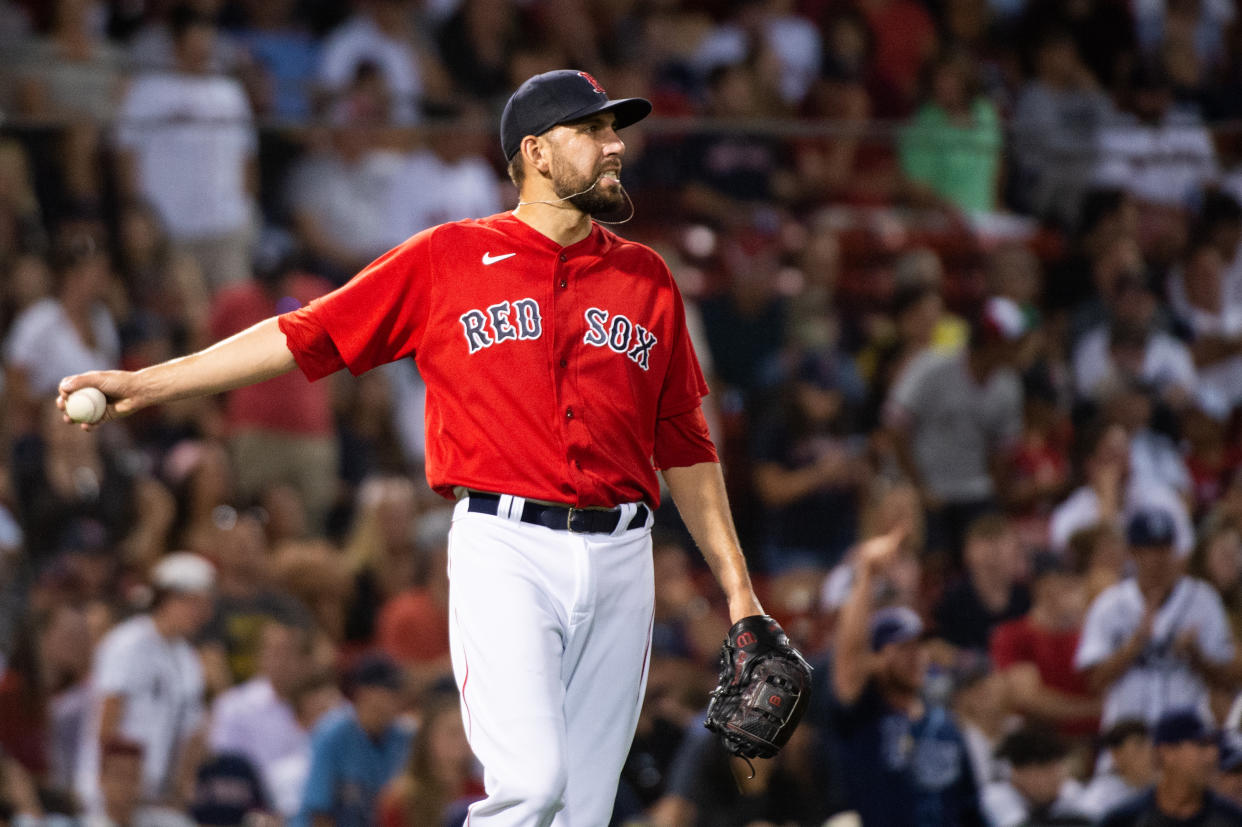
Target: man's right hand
{"points": [[875, 554], [121, 387]]}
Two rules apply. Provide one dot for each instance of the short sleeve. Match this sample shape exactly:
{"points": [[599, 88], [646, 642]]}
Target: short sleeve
{"points": [[684, 385], [117, 667], [1096, 643], [380, 315], [684, 440], [1215, 638]]}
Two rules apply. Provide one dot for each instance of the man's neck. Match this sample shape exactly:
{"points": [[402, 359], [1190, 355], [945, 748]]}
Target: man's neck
{"points": [[563, 223], [163, 626]]}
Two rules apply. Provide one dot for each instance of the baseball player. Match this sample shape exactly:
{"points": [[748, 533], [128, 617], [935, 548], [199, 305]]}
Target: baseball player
{"points": [[560, 376]]}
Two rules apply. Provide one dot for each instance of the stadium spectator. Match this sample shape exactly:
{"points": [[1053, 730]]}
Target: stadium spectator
{"points": [[76, 75], [950, 151], [168, 118], [357, 750], [1199, 296], [381, 34], [256, 720], [70, 330], [1159, 639], [281, 56], [164, 284], [1035, 653], [1130, 346], [1038, 791], [808, 465], [147, 686], [952, 416], [992, 591], [476, 43], [1110, 494], [1054, 130], [731, 179], [1160, 153], [903, 761], [1129, 771], [247, 598], [446, 178], [1186, 756], [153, 44]]}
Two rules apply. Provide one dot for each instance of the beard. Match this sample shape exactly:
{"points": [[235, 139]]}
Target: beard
{"points": [[584, 193]]}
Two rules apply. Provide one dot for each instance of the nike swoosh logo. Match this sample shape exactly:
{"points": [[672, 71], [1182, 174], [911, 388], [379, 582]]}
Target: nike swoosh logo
{"points": [[488, 258]]}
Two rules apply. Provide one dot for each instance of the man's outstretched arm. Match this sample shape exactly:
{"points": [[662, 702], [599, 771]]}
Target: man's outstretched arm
{"points": [[253, 355]]}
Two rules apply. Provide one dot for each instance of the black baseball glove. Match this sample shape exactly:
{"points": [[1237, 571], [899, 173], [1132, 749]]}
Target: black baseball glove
{"points": [[763, 689]]}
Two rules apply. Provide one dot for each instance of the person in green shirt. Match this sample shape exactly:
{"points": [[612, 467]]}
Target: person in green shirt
{"points": [[950, 152]]}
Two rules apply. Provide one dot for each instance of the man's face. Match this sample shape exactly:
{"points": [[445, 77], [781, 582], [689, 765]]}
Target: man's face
{"points": [[1040, 784], [585, 164], [903, 666], [1192, 762], [1155, 567]]}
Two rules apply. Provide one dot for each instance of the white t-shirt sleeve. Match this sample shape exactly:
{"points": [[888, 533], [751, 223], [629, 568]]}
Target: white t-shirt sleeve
{"points": [[118, 665], [1215, 637], [1100, 631]]}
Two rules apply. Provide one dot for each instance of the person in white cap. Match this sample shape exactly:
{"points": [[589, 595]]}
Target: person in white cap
{"points": [[146, 685]]}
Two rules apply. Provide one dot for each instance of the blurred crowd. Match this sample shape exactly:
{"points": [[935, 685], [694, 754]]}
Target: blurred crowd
{"points": [[970, 269]]}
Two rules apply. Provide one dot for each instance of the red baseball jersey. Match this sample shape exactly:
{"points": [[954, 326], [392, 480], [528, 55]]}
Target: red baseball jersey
{"points": [[550, 370]]}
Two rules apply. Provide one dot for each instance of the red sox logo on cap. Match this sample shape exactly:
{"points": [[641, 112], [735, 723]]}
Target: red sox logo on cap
{"points": [[594, 83]]}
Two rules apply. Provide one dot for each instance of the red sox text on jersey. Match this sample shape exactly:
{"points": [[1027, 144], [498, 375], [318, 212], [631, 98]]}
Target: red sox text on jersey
{"points": [[520, 320]]}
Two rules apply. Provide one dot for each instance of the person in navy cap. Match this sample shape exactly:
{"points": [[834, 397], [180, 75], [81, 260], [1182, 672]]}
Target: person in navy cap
{"points": [[1158, 640], [358, 749], [1186, 754], [903, 760]]}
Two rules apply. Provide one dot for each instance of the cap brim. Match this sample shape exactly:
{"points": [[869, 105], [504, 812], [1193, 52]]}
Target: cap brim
{"points": [[628, 111]]}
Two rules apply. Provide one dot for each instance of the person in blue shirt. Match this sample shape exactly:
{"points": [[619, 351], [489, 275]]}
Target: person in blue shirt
{"points": [[903, 760], [356, 750]]}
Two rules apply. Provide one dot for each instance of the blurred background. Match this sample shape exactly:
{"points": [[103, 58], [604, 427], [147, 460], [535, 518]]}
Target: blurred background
{"points": [[966, 266]]}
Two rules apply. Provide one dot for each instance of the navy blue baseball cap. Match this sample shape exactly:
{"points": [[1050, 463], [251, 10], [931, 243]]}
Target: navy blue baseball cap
{"points": [[1151, 528], [894, 624], [1178, 726], [558, 97], [378, 670]]}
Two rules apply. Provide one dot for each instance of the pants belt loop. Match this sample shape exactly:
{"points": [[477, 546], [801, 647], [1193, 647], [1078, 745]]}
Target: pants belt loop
{"points": [[627, 513], [511, 507]]}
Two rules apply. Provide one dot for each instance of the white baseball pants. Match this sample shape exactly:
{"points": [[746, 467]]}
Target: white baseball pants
{"points": [[550, 636]]}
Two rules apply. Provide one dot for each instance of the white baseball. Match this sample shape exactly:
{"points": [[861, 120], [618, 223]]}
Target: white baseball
{"points": [[86, 405]]}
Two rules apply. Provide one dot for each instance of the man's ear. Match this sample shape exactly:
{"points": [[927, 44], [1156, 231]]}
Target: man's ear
{"points": [[535, 151]]}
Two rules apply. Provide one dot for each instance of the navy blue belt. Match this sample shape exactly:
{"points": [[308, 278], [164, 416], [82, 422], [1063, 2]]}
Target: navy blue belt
{"points": [[561, 517]]}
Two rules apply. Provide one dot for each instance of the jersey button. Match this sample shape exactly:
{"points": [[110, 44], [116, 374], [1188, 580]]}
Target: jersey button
{"points": [[564, 363], [564, 257], [569, 413], [564, 283]]}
